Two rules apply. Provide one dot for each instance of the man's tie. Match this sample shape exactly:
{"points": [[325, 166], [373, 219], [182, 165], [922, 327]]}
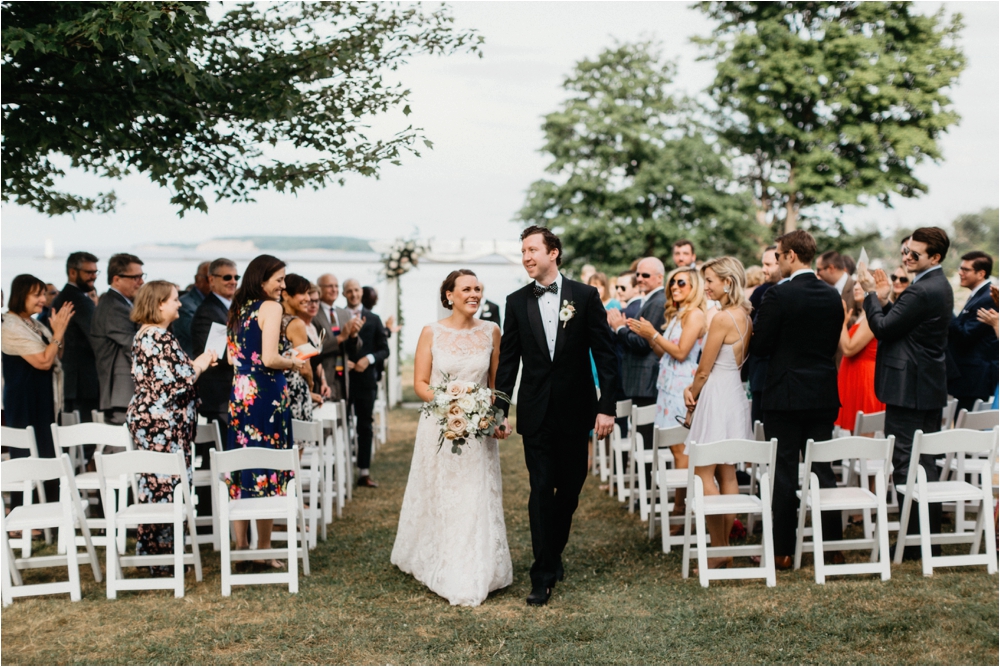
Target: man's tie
{"points": [[539, 290]]}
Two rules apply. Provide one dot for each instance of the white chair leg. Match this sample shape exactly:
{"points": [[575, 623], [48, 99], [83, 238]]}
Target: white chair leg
{"points": [[110, 553], [925, 536], [819, 563], [225, 535], [904, 522], [72, 560], [986, 520], [882, 526], [686, 551], [800, 533], [178, 554], [293, 543], [767, 537], [11, 577]]}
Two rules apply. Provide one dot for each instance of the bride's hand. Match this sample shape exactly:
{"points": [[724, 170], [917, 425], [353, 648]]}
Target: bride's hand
{"points": [[503, 430]]}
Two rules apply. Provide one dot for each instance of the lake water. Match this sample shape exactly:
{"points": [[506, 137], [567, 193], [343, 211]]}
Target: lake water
{"points": [[420, 287]]}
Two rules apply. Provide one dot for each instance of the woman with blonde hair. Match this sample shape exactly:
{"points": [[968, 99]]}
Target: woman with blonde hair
{"points": [[600, 281], [162, 415], [678, 349], [717, 397]]}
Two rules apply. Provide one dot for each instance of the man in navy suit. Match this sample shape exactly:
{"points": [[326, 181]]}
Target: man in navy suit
{"points": [[973, 344]]}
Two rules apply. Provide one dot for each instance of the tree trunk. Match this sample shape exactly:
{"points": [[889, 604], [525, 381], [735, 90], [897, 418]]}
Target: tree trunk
{"points": [[791, 207]]}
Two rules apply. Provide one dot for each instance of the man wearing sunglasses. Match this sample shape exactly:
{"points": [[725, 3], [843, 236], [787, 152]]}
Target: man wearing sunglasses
{"points": [[911, 376], [973, 344], [215, 384], [628, 294]]}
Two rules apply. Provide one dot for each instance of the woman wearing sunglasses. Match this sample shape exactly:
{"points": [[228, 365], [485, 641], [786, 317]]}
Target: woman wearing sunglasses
{"points": [[900, 281], [678, 347]]}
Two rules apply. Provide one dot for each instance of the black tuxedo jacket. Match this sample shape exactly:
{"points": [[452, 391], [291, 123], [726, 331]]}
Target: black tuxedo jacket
{"points": [[756, 366], [912, 333], [798, 326], [371, 340], [216, 383], [78, 363], [490, 312], [559, 388], [973, 346]]}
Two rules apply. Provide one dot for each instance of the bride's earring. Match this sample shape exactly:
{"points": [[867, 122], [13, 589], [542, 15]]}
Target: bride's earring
{"points": [[726, 289], [450, 302]]}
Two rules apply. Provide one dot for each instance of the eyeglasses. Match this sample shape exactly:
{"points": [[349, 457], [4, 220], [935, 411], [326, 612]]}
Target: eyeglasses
{"points": [[644, 276], [95, 272], [227, 277], [138, 276], [680, 283], [912, 253], [312, 301], [901, 281], [621, 288]]}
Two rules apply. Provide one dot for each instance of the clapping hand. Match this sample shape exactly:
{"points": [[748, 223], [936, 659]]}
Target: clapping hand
{"points": [[995, 293], [987, 317], [642, 327], [616, 319], [59, 320], [877, 282], [390, 324]]}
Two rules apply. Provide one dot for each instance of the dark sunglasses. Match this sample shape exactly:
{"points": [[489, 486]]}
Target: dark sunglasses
{"points": [[912, 253], [620, 288], [227, 277], [644, 276], [901, 281], [680, 283]]}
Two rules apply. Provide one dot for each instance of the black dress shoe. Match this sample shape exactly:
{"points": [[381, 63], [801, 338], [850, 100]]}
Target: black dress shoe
{"points": [[560, 573], [368, 482], [539, 596]]}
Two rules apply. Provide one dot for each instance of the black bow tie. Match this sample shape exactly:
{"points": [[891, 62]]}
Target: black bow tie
{"points": [[539, 290]]}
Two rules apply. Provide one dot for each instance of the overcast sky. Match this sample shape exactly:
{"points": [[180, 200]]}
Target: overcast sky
{"points": [[484, 117]]}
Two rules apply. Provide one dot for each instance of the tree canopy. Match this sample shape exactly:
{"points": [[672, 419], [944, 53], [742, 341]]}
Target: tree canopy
{"points": [[633, 170], [269, 95], [831, 102]]}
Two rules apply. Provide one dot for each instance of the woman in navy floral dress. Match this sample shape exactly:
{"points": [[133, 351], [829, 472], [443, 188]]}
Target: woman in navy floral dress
{"points": [[162, 415], [259, 406]]}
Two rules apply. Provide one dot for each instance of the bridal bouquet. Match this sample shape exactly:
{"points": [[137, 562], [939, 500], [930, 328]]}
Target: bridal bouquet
{"points": [[463, 410]]}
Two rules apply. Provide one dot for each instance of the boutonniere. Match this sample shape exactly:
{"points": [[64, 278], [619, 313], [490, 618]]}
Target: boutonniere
{"points": [[567, 312]]}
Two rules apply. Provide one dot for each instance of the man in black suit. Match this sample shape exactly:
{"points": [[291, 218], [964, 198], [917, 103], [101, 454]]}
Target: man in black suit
{"points": [[798, 327], [111, 334], [973, 344], [216, 383], [370, 348], [910, 367], [552, 325], [756, 366], [81, 390], [488, 311]]}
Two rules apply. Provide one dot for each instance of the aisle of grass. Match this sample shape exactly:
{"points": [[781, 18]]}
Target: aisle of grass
{"points": [[622, 602]]}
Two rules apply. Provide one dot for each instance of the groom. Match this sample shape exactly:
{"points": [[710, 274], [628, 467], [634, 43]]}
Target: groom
{"points": [[552, 325]]}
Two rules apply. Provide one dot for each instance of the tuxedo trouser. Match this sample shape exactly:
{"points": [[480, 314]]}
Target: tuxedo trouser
{"points": [[363, 402], [903, 423], [557, 469], [756, 407], [793, 428]]}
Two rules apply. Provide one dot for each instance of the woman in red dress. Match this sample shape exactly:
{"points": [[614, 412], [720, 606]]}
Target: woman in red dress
{"points": [[856, 379]]}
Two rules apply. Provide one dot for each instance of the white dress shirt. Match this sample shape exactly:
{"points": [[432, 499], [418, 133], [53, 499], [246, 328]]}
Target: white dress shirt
{"points": [[128, 300], [228, 303], [925, 272], [796, 275], [841, 284], [548, 306]]}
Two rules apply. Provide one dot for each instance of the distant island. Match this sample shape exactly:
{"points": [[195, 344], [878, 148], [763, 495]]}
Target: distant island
{"points": [[344, 243]]}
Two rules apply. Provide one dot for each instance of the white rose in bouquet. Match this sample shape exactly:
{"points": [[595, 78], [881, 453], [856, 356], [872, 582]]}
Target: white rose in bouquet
{"points": [[467, 403]]}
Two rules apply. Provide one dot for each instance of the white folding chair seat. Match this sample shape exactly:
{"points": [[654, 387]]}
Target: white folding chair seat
{"points": [[620, 443], [699, 506], [288, 507], [817, 500], [117, 473], [666, 480], [335, 474], [919, 489], [24, 439], [64, 515], [204, 479], [953, 467], [641, 457]]}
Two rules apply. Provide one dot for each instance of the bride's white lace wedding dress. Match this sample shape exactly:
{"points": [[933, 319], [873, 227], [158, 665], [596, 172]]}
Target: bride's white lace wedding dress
{"points": [[451, 535]]}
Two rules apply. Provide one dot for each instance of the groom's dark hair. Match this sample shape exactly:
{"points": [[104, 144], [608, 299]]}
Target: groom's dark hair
{"points": [[550, 240]]}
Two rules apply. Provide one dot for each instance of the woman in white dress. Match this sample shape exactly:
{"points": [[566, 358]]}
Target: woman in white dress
{"points": [[452, 536], [722, 411]]}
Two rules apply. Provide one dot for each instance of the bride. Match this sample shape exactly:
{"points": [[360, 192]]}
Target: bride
{"points": [[452, 536]]}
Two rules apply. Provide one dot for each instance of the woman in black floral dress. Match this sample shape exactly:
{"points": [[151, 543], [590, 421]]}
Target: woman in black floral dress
{"points": [[162, 415]]}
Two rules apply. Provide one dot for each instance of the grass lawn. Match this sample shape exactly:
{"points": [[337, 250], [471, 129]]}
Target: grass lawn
{"points": [[623, 602]]}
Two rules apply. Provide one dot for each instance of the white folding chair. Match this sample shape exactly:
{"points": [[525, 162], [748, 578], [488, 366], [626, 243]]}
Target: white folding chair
{"points": [[813, 498], [103, 436], [117, 473], [666, 479], [948, 413], [288, 507], [641, 457], [952, 467], [205, 479], [65, 515], [919, 489], [621, 443], [872, 424], [335, 473], [24, 439], [309, 436], [700, 506], [381, 414], [96, 416]]}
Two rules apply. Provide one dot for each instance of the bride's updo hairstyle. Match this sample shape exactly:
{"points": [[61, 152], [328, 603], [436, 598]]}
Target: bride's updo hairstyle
{"points": [[731, 273], [449, 284]]}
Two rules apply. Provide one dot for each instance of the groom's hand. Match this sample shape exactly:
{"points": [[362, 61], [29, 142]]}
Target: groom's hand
{"points": [[504, 430], [604, 425]]}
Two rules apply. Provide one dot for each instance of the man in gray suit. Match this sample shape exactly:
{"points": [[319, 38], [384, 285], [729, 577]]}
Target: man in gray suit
{"points": [[640, 366], [339, 325], [111, 335]]}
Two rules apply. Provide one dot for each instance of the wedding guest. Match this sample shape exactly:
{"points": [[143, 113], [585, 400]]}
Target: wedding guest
{"points": [[684, 253], [679, 349], [716, 395], [600, 281], [856, 378], [111, 334], [81, 390], [162, 415], [755, 277], [189, 304], [339, 325], [369, 299], [300, 380], [756, 365], [30, 350], [910, 368], [798, 327], [216, 383], [640, 367], [488, 311], [628, 295], [989, 317], [586, 272], [831, 268], [850, 266], [973, 344], [900, 281], [370, 346], [316, 333], [259, 405], [51, 293]]}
